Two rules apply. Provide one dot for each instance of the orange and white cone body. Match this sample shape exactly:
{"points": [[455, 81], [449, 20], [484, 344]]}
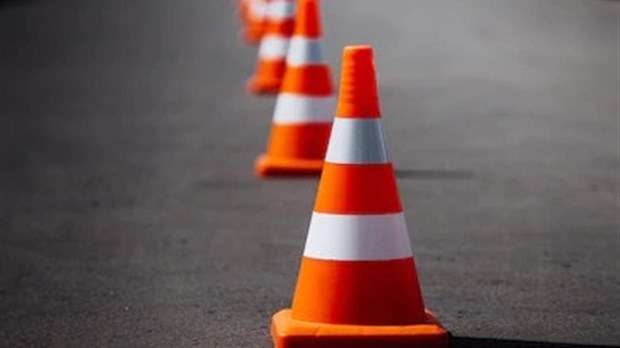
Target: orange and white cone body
{"points": [[273, 47], [253, 14], [305, 106], [357, 284]]}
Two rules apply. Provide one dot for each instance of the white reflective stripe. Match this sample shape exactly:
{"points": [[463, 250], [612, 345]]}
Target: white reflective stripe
{"points": [[304, 51], [291, 109], [357, 237], [281, 9], [273, 47], [258, 8], [357, 141]]}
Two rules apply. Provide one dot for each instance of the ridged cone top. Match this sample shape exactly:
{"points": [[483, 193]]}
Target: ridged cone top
{"points": [[358, 84]]}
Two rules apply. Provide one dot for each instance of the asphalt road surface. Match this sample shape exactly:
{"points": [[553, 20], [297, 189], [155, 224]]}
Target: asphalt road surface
{"points": [[131, 216]]}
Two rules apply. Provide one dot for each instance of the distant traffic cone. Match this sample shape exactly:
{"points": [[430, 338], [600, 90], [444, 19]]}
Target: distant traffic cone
{"points": [[273, 47], [305, 106], [253, 14], [357, 284], [242, 10]]}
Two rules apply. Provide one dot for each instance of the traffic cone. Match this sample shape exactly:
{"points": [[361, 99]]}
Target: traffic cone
{"points": [[254, 17], [273, 48], [242, 10], [357, 284], [305, 106]]}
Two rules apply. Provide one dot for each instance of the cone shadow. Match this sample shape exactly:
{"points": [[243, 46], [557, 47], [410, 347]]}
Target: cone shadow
{"points": [[472, 342], [434, 174]]}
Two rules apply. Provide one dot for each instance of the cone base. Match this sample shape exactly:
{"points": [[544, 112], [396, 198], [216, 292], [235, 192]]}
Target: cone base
{"points": [[290, 333], [273, 166], [257, 86]]}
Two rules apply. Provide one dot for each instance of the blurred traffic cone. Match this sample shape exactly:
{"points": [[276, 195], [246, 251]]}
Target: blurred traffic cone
{"points": [[254, 17], [242, 10], [357, 284], [273, 47], [305, 106]]}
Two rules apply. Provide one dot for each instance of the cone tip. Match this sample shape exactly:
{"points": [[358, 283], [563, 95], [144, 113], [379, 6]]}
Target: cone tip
{"points": [[358, 87], [357, 53], [307, 21]]}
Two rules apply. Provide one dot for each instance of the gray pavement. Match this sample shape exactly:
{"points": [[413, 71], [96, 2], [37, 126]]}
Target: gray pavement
{"points": [[130, 216]]}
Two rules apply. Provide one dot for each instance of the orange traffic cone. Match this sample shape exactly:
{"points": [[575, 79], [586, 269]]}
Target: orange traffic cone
{"points": [[273, 47], [357, 284], [305, 106], [242, 10], [253, 15]]}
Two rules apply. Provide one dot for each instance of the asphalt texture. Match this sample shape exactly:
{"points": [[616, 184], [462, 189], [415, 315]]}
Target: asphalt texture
{"points": [[131, 216]]}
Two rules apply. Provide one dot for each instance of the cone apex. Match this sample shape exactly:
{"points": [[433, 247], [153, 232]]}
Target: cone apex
{"points": [[358, 84], [307, 22]]}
